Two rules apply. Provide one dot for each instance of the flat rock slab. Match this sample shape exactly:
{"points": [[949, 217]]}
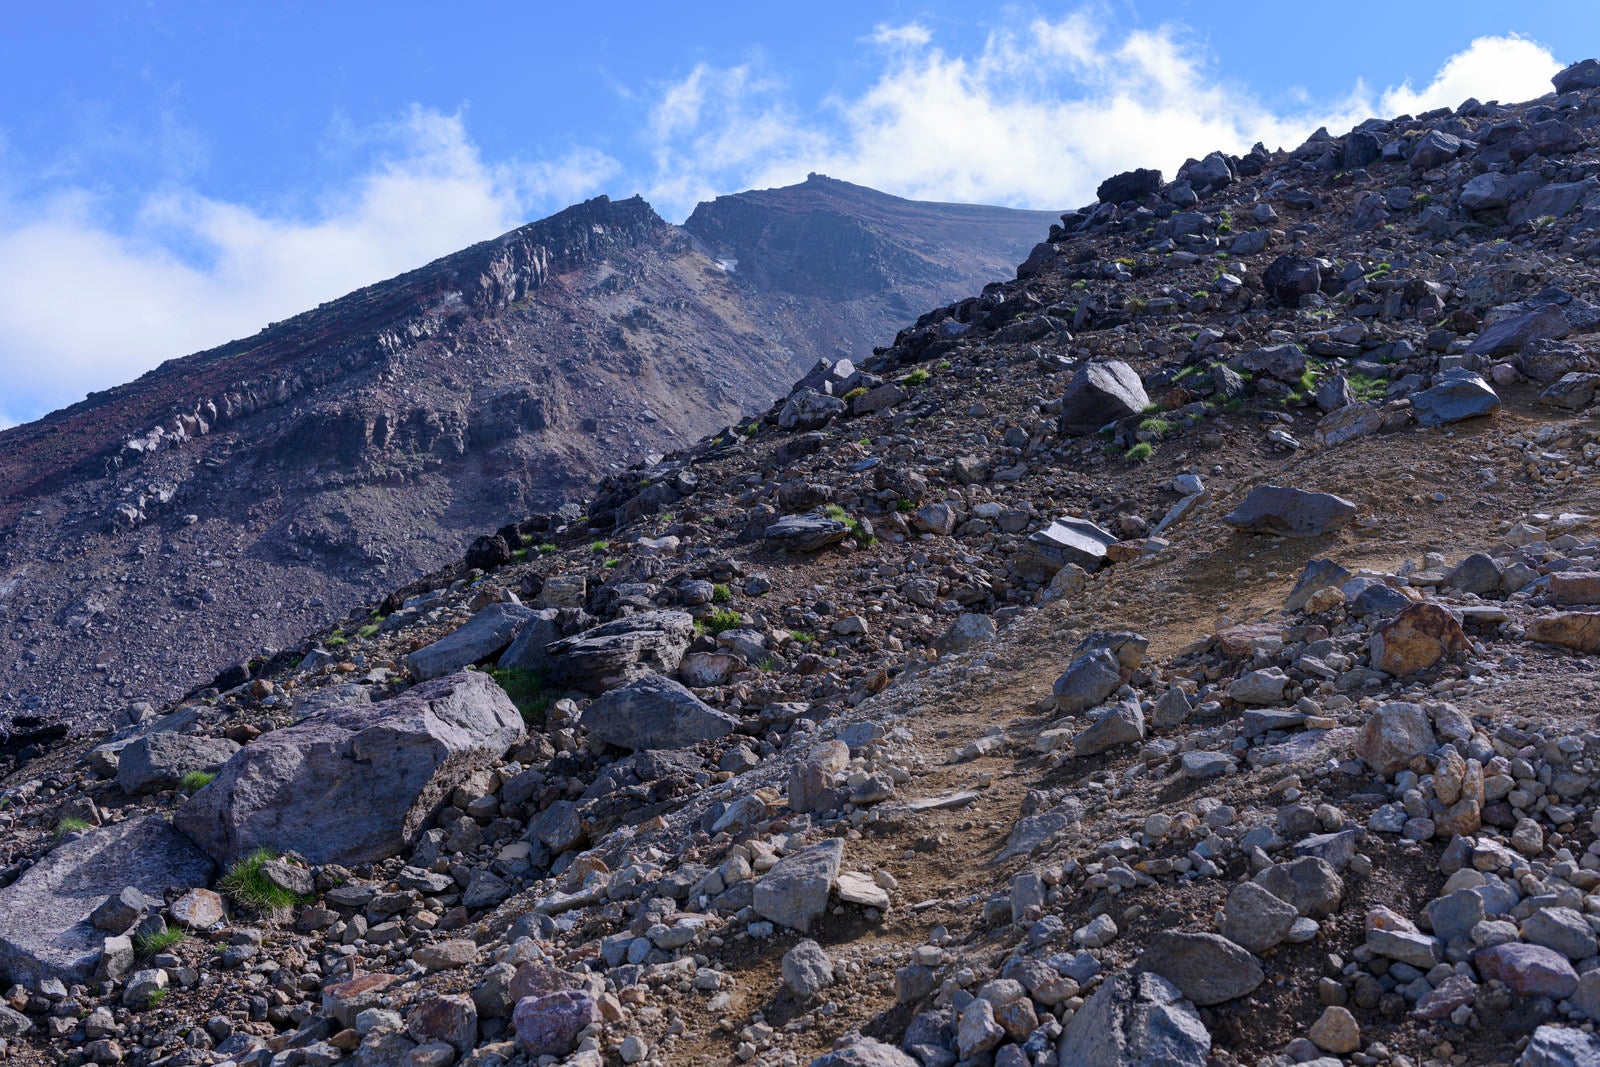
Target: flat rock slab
{"points": [[46, 931], [655, 712], [795, 892], [805, 533], [1206, 968], [480, 637], [355, 784], [1571, 629], [624, 650], [1277, 509], [1459, 397], [1135, 1020], [1069, 540]]}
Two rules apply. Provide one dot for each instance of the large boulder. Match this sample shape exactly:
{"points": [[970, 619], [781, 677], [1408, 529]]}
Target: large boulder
{"points": [[809, 410], [47, 931], [794, 893], [159, 761], [1276, 509], [805, 533], [1416, 639], [1505, 337], [1584, 74], [1435, 149], [1460, 396], [1139, 1020], [480, 637], [1288, 278], [622, 651], [654, 712], [1206, 968], [1068, 540], [354, 784], [1100, 393], [1129, 185]]}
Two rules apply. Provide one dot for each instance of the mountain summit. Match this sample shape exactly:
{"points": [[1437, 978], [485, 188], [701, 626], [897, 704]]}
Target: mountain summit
{"points": [[242, 495]]}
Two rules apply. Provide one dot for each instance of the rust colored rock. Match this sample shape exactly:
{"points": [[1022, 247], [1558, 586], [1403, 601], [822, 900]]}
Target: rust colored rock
{"points": [[1570, 629], [1416, 639], [1575, 587]]}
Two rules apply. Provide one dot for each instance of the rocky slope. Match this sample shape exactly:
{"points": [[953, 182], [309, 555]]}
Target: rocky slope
{"points": [[230, 500], [1181, 654]]}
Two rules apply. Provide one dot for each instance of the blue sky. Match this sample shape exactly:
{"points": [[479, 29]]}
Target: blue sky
{"points": [[173, 175]]}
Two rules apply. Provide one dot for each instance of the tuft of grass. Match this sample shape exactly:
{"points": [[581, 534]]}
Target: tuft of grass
{"points": [[156, 997], [858, 391], [614, 561], [1308, 381], [723, 619], [904, 503], [770, 663], [371, 628], [247, 887], [1156, 426], [721, 594], [944, 364], [916, 377], [599, 546], [1140, 452], [195, 781], [547, 548], [804, 637], [147, 945], [1366, 388], [518, 555], [337, 639], [71, 825], [526, 688]]}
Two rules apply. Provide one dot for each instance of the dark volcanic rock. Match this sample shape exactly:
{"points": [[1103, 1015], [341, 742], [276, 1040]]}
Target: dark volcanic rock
{"points": [[655, 712], [1129, 185], [1100, 393], [1275, 509]]}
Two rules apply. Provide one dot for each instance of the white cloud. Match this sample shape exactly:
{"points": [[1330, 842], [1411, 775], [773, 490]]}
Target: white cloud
{"points": [[1507, 69], [1037, 116], [84, 305]]}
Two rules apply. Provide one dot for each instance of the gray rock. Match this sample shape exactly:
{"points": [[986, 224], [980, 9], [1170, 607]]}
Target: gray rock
{"points": [[1129, 185], [1394, 735], [1288, 278], [1453, 915], [356, 784], [1127, 646], [1171, 709], [1318, 574], [970, 630], [1530, 970], [1584, 74], [480, 637], [1553, 200], [805, 533], [120, 911], [1206, 968], [1100, 393], [1435, 149], [807, 409], [1309, 884], [47, 931], [1263, 686], [622, 651], [1256, 918], [1122, 725], [1407, 946], [1275, 509], [1573, 391], [1087, 681], [549, 1025], [1285, 362], [976, 1030], [865, 1053], [529, 650], [1065, 541], [1561, 1046], [1562, 929], [1478, 574], [159, 761], [1035, 831], [1459, 397], [655, 712], [807, 970], [1202, 766], [1508, 335], [1137, 1020], [794, 893], [1486, 192]]}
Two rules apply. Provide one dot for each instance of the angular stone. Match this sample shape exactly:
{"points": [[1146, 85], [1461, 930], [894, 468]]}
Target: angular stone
{"points": [[121, 910], [1088, 680], [1129, 185], [969, 631], [1393, 736], [159, 761], [622, 651], [480, 637], [805, 533], [654, 712], [866, 1052], [807, 970], [1460, 396], [1066, 541], [977, 1032], [343, 1001], [1336, 1031], [446, 955], [1259, 687], [1561, 1046], [47, 932], [1573, 391], [1206, 968], [529, 650], [1531, 970], [1255, 918], [1123, 725], [198, 909], [1309, 884], [1446, 997], [550, 1025], [354, 784], [1275, 509], [1570, 629], [859, 889], [1584, 74], [1417, 639], [1508, 335], [450, 1017], [1407, 946], [1318, 574], [1288, 278], [1562, 929], [807, 409], [1100, 393], [1575, 587], [1435, 149], [1137, 1020], [794, 893], [1478, 574]]}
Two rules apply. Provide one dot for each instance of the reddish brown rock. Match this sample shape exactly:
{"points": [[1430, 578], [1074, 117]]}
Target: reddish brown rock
{"points": [[1416, 639], [1570, 629]]}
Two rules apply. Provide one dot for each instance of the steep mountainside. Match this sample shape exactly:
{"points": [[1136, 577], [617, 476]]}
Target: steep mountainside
{"points": [[229, 500]]}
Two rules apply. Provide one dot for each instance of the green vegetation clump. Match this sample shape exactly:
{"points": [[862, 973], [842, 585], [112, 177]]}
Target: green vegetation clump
{"points": [[1140, 452], [247, 887], [1366, 388], [858, 391], [916, 377], [518, 555], [337, 639], [614, 561], [904, 504], [526, 688], [599, 546], [720, 593], [71, 825], [1156, 426], [804, 637], [723, 619], [147, 945], [195, 781], [547, 548], [371, 628]]}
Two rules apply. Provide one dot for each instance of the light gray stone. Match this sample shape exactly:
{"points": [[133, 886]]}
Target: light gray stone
{"points": [[794, 893], [1276, 509], [1255, 918], [1100, 393], [654, 712], [1122, 725], [621, 651], [480, 637], [807, 970], [159, 761], [1087, 681], [1206, 968], [1137, 1020]]}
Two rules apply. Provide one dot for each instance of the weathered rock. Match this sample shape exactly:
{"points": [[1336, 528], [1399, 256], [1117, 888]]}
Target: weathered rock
{"points": [[1264, 686], [1417, 639], [1336, 1031], [1460, 396], [976, 1030], [969, 631], [1435, 149], [354, 784], [1318, 574], [550, 1025], [121, 910], [1288, 278], [1571, 629], [47, 932], [1563, 930], [1508, 335], [1395, 735], [1573, 391], [1274, 509], [479, 638], [1310, 885], [655, 712], [1138, 1020], [343, 1001], [198, 909], [1100, 393], [865, 1053], [1206, 968], [1561, 1046], [529, 650], [1255, 918], [805, 533], [814, 781], [807, 409], [1122, 725], [807, 970], [159, 761], [1087, 681], [1531, 970], [1477, 574], [449, 1017], [1129, 185], [1065, 542], [1285, 362], [1584, 74], [794, 893], [1486, 192], [625, 650]]}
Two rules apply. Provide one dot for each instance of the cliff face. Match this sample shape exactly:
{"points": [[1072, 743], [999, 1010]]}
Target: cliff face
{"points": [[242, 495]]}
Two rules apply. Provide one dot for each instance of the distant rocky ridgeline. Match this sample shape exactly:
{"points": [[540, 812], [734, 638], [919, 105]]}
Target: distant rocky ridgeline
{"points": [[242, 495]]}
